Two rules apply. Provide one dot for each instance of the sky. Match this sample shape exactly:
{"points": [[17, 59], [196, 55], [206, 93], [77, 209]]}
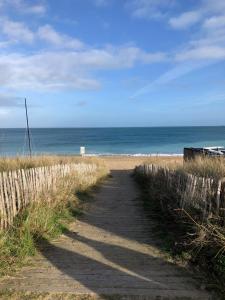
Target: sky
{"points": [[112, 63]]}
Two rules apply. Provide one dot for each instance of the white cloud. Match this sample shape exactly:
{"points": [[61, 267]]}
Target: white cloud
{"points": [[35, 9], [202, 53], [101, 3], [206, 46], [149, 9], [5, 44], [16, 31], [3, 112], [214, 22], [9, 101], [67, 69], [68, 63], [185, 20], [213, 6], [44, 71], [209, 40], [210, 12], [50, 35], [24, 6], [119, 57]]}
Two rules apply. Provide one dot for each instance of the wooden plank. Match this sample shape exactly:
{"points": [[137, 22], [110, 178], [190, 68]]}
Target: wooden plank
{"points": [[18, 191], [12, 194], [6, 197], [3, 215]]}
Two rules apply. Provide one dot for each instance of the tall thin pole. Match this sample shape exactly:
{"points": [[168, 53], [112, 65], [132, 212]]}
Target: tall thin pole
{"points": [[28, 129]]}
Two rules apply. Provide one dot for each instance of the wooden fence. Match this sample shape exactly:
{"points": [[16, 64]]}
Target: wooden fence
{"points": [[21, 187], [203, 194]]}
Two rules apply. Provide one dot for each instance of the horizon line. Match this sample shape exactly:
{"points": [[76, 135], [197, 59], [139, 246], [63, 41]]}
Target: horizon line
{"points": [[116, 127]]}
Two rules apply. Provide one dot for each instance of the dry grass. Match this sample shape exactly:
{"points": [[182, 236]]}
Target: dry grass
{"points": [[172, 162], [25, 162], [213, 167]]}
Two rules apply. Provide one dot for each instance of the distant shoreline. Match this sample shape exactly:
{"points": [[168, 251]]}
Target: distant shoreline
{"points": [[89, 155], [117, 127], [136, 155]]}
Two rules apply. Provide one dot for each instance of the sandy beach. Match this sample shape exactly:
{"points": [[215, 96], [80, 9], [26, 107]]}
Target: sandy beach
{"points": [[130, 162]]}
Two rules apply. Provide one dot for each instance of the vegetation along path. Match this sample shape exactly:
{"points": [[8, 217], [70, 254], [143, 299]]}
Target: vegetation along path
{"points": [[109, 251]]}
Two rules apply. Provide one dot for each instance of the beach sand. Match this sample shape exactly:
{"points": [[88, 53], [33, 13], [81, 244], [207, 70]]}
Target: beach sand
{"points": [[130, 162]]}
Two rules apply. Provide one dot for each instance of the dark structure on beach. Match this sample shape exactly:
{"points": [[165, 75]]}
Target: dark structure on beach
{"points": [[192, 153]]}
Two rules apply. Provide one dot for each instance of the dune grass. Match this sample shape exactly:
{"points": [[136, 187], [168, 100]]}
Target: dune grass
{"points": [[47, 218], [165, 161], [25, 162], [213, 167]]}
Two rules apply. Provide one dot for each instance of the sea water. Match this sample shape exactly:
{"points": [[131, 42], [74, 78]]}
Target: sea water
{"points": [[109, 141]]}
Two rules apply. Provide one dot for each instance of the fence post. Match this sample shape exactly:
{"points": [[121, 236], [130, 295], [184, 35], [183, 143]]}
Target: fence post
{"points": [[222, 197]]}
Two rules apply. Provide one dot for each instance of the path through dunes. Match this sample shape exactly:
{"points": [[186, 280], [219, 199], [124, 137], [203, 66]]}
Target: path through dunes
{"points": [[109, 251]]}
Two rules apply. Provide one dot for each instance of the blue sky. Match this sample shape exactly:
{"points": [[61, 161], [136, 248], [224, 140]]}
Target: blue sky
{"points": [[101, 63]]}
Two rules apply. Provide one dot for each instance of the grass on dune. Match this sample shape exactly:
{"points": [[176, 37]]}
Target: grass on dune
{"points": [[25, 162], [213, 167], [165, 161]]}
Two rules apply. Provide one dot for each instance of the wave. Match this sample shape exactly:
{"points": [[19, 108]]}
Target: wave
{"points": [[135, 154]]}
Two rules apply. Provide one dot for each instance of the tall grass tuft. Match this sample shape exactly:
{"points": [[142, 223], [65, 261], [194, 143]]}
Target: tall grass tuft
{"points": [[213, 167], [165, 161], [25, 162]]}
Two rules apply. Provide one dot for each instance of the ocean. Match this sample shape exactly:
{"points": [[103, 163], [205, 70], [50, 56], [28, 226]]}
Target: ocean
{"points": [[109, 141]]}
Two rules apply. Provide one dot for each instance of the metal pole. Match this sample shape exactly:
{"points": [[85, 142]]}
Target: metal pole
{"points": [[28, 129]]}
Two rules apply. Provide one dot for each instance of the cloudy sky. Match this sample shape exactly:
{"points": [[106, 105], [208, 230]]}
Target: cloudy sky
{"points": [[100, 63]]}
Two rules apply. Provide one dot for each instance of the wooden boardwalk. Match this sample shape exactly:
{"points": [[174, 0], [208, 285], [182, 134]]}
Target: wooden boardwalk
{"points": [[109, 251]]}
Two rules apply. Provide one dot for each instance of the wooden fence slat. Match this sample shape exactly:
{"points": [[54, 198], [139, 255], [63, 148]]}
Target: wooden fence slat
{"points": [[3, 215], [7, 200], [12, 193]]}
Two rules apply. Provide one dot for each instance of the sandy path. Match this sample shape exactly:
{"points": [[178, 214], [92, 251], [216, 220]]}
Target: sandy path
{"points": [[108, 251]]}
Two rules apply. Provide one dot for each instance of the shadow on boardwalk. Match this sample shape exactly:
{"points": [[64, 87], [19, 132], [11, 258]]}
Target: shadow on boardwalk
{"points": [[119, 267], [109, 251]]}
